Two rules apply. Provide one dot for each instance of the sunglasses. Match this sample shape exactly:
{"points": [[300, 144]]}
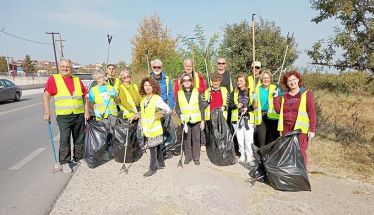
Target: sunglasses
{"points": [[257, 67], [221, 63], [125, 77], [157, 67], [186, 80]]}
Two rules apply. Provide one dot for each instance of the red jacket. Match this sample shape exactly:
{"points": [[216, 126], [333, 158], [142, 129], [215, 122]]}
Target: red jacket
{"points": [[202, 85]]}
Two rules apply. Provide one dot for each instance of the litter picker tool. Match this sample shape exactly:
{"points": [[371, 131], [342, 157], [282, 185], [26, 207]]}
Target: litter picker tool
{"points": [[289, 38], [206, 67], [123, 168], [109, 37], [237, 126], [180, 160], [57, 167], [147, 58], [253, 51]]}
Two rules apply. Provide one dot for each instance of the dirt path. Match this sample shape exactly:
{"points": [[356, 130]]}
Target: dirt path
{"points": [[204, 189]]}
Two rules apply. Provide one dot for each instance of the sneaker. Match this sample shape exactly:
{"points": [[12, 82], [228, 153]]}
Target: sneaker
{"points": [[203, 148], [106, 156], [197, 162], [187, 161], [82, 163], [242, 159], [149, 173], [66, 168]]}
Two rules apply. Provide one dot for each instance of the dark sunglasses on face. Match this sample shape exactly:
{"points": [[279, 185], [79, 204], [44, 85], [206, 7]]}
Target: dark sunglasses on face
{"points": [[221, 63], [157, 67], [186, 80], [257, 67], [124, 77]]}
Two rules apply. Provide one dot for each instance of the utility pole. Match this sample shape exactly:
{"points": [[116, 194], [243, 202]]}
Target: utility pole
{"points": [[61, 46], [54, 47], [5, 52]]}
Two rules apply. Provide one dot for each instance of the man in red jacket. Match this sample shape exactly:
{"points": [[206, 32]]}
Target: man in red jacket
{"points": [[197, 78]]}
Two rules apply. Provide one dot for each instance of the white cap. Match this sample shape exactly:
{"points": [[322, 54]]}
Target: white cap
{"points": [[256, 64]]}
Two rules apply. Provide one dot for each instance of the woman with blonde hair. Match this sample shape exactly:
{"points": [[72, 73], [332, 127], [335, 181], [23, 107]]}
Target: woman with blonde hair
{"points": [[128, 95]]}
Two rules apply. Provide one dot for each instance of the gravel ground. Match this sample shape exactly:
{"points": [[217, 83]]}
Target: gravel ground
{"points": [[204, 189]]}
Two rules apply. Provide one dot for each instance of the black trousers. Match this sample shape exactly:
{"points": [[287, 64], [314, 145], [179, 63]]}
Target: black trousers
{"points": [[266, 132], [192, 142], [157, 158], [71, 125]]}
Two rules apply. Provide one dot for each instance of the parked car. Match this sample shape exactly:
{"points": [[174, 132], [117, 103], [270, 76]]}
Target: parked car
{"points": [[9, 91], [86, 79]]}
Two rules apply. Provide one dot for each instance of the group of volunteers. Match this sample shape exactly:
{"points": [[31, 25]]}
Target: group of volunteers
{"points": [[258, 114]]}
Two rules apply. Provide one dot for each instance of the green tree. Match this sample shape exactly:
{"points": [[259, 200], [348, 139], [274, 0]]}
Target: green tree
{"points": [[121, 66], [270, 46], [3, 65], [28, 65], [153, 39], [204, 49], [355, 36]]}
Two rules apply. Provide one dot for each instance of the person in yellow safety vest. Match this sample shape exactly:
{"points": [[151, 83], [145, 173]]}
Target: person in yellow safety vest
{"points": [[152, 109], [128, 95], [242, 110], [297, 110], [265, 117], [113, 80], [190, 109], [257, 69], [216, 96], [103, 98], [71, 107]]}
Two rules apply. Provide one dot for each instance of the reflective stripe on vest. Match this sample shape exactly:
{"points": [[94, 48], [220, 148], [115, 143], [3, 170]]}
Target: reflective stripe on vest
{"points": [[65, 103], [100, 105], [190, 110], [224, 103], [271, 111], [151, 127], [302, 120]]}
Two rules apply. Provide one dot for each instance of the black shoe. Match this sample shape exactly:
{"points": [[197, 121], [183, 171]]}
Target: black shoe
{"points": [[161, 166], [187, 161], [149, 173], [197, 162]]}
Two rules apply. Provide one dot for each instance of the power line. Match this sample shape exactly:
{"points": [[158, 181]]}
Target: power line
{"points": [[21, 38]]}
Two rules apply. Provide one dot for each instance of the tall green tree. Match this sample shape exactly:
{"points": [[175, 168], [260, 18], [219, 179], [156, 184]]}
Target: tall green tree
{"points": [[270, 46], [153, 39], [27, 65], [3, 65], [204, 48], [354, 38], [121, 66]]}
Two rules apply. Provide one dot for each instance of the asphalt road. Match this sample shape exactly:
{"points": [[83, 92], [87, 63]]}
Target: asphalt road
{"points": [[27, 182]]}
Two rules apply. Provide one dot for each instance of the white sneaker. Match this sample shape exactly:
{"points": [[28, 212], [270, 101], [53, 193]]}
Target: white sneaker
{"points": [[242, 159], [66, 168], [203, 148], [83, 163]]}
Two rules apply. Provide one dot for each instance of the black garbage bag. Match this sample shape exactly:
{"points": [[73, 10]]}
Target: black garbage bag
{"points": [[284, 164], [125, 131], [220, 149], [257, 168], [96, 142], [170, 135]]}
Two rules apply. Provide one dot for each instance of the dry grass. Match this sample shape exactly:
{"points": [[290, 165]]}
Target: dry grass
{"points": [[352, 161]]}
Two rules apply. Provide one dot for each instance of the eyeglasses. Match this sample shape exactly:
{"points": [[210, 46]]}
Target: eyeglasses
{"points": [[157, 67], [219, 63], [257, 67], [186, 80]]}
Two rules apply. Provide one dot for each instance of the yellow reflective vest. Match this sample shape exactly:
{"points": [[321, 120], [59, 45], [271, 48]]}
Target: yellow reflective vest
{"points": [[100, 105], [151, 126], [250, 84], [65, 103], [235, 112], [190, 110], [130, 100], [302, 119], [224, 99], [271, 114]]}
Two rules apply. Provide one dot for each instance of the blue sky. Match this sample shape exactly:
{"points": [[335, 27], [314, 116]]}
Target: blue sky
{"points": [[85, 23]]}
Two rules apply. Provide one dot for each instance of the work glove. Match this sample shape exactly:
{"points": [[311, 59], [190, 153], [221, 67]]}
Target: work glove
{"points": [[311, 135], [254, 96], [185, 128]]}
